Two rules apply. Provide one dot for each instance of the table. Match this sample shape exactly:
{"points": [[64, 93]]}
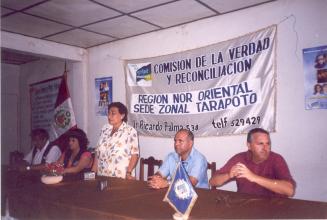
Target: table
{"points": [[75, 198]]}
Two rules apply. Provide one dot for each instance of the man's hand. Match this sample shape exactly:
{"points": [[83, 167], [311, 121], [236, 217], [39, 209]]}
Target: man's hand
{"points": [[23, 168], [233, 172], [157, 182], [241, 171], [283, 187]]}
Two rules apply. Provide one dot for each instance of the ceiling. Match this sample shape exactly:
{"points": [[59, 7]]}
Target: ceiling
{"points": [[88, 23]]}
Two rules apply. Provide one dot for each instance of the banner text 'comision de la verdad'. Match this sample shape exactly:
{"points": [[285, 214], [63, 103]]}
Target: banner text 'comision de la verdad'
{"points": [[222, 89]]}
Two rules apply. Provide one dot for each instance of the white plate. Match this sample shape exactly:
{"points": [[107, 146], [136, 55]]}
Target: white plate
{"points": [[51, 179]]}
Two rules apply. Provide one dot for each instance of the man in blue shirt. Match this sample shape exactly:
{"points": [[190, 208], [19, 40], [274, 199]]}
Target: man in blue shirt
{"points": [[193, 161]]}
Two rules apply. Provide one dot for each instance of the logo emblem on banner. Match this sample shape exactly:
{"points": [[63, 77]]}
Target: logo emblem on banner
{"points": [[140, 74], [144, 73], [62, 118]]}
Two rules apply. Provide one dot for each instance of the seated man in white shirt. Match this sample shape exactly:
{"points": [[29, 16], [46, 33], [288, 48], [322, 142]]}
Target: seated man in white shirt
{"points": [[42, 152]]}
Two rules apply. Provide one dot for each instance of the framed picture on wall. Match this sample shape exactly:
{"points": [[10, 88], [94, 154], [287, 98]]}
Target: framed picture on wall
{"points": [[315, 72], [103, 93]]}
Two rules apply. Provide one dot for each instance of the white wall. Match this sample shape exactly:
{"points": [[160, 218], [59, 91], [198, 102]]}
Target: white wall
{"points": [[43, 48], [51, 65], [10, 134], [301, 135], [45, 69]]}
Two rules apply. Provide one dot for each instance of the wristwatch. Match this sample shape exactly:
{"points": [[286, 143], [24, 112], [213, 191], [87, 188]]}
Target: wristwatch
{"points": [[28, 168]]}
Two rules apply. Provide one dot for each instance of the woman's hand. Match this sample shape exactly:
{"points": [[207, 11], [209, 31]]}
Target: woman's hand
{"points": [[129, 176]]}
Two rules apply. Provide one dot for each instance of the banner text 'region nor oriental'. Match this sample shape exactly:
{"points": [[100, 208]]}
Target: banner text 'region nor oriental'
{"points": [[197, 102]]}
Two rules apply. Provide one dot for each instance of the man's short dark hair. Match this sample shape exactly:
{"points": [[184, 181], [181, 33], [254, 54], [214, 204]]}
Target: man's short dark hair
{"points": [[253, 131], [189, 133], [42, 133]]}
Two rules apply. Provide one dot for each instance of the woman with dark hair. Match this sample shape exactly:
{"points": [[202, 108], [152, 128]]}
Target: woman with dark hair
{"points": [[76, 158], [320, 61], [117, 151], [317, 89], [324, 89]]}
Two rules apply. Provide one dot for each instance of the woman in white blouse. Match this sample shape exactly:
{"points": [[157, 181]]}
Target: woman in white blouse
{"points": [[117, 151]]}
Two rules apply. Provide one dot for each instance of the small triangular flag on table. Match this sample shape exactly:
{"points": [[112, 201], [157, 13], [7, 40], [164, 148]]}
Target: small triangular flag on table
{"points": [[181, 194]]}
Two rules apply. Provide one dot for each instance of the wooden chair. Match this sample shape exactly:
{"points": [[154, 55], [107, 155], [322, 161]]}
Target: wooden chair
{"points": [[212, 168], [151, 162]]}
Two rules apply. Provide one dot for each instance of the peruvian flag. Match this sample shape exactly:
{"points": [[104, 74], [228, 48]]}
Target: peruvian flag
{"points": [[64, 118]]}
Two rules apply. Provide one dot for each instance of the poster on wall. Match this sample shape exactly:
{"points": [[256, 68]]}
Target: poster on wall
{"points": [[223, 89], [315, 72], [43, 96], [103, 92]]}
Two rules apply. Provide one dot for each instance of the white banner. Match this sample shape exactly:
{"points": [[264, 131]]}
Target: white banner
{"points": [[222, 89], [43, 98]]}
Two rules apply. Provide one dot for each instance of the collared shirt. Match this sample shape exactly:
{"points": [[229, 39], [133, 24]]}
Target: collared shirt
{"points": [[195, 166], [114, 152], [274, 167], [53, 155]]}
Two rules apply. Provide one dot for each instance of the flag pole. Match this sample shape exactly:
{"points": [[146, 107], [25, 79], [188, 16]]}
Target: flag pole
{"points": [[64, 117], [65, 71]]}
